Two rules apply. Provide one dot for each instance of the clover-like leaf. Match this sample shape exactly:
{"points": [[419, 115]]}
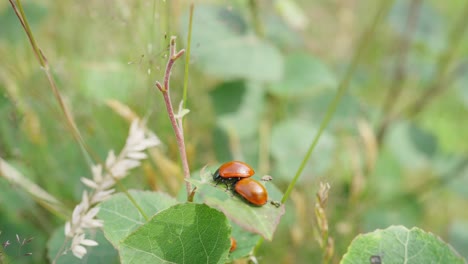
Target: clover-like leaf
{"points": [[397, 244]]}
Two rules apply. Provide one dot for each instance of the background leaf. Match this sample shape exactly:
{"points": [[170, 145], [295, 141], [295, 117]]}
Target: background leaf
{"points": [[397, 244], [225, 49], [11, 29], [458, 237], [304, 75], [261, 78], [430, 27], [411, 145], [103, 253], [287, 147], [246, 241]]}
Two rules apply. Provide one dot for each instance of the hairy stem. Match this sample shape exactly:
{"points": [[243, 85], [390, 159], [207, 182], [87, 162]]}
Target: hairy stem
{"points": [[178, 130]]}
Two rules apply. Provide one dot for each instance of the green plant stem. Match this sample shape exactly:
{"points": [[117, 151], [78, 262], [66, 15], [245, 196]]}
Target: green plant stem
{"points": [[132, 200], [86, 150], [24, 22], [342, 87], [18, 8], [41, 196], [265, 124], [187, 57], [153, 23], [168, 16], [399, 77], [439, 84], [257, 23], [432, 185]]}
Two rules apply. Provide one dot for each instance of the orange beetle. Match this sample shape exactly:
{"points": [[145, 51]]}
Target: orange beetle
{"points": [[232, 171], [233, 245], [252, 191]]}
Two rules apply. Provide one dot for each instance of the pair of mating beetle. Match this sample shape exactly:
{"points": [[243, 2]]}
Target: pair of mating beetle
{"points": [[237, 174]]}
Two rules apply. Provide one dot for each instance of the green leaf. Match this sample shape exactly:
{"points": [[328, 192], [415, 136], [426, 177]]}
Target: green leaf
{"points": [[281, 34], [446, 119], [387, 177], [289, 143], [397, 244], [423, 141], [242, 57], [462, 93], [227, 96], [223, 47], [246, 241], [17, 222], [103, 253], [121, 217], [429, 30], [184, 233], [411, 145], [220, 137], [294, 15], [408, 212], [11, 26], [304, 76], [261, 220], [244, 122], [108, 80], [40, 195], [458, 237], [459, 181], [237, 104], [348, 111]]}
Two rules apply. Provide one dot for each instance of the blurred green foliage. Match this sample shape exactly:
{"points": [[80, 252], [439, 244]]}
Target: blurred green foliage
{"points": [[258, 89], [386, 246]]}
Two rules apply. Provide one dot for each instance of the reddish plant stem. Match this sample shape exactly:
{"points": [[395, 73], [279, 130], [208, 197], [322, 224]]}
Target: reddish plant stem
{"points": [[179, 133], [180, 140]]}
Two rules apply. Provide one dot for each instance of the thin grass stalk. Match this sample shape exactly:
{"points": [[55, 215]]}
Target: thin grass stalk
{"points": [[86, 150], [187, 56], [440, 82], [399, 77], [342, 88], [43, 62]]}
